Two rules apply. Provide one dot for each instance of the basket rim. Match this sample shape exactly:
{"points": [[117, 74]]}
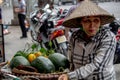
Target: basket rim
{"points": [[22, 73], [17, 71]]}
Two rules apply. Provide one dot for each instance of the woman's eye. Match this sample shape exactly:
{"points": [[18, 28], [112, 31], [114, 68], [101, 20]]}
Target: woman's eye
{"points": [[87, 21], [95, 20]]}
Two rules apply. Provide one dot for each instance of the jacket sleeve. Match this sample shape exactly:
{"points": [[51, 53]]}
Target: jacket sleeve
{"points": [[104, 53]]}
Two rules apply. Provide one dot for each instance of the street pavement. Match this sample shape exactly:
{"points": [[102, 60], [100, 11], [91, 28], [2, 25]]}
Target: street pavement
{"points": [[13, 43], [112, 7]]}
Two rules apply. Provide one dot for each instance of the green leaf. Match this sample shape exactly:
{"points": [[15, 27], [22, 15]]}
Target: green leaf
{"points": [[44, 51], [20, 53], [34, 46], [50, 44]]}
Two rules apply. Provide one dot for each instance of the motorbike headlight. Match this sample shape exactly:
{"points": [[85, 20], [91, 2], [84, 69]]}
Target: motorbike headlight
{"points": [[48, 11], [34, 20], [55, 22]]}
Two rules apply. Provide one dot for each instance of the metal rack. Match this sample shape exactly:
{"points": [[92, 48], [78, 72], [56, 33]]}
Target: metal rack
{"points": [[2, 52]]}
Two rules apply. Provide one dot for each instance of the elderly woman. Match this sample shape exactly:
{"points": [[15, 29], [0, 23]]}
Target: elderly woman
{"points": [[92, 47]]}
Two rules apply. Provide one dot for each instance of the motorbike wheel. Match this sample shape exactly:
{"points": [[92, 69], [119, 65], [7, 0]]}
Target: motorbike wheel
{"points": [[35, 32], [34, 36], [63, 48]]}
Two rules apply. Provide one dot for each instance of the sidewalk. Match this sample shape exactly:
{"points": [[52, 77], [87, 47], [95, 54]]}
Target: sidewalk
{"points": [[13, 43]]}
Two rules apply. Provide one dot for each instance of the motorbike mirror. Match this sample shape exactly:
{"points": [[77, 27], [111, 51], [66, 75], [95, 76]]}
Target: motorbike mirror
{"points": [[46, 6], [35, 5]]}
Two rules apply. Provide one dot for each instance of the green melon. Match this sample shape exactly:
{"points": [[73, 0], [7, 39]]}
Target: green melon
{"points": [[43, 65], [59, 60], [19, 60]]}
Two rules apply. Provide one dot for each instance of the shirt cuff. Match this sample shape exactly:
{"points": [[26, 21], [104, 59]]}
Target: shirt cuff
{"points": [[73, 75]]}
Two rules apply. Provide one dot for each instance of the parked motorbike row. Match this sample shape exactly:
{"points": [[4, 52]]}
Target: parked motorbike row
{"points": [[46, 28]]}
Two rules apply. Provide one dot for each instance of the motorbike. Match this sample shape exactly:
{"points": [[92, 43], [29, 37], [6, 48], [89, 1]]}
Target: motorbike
{"points": [[37, 17], [46, 29], [115, 25]]}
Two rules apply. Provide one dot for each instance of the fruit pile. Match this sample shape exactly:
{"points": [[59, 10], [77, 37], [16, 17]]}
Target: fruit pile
{"points": [[44, 61]]}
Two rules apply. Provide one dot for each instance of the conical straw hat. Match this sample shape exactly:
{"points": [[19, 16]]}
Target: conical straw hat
{"points": [[87, 8]]}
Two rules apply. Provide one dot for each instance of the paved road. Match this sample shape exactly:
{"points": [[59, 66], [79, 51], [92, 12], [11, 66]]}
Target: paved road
{"points": [[13, 42], [112, 7]]}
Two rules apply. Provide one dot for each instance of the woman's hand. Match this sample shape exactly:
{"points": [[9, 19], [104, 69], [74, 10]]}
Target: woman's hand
{"points": [[63, 77]]}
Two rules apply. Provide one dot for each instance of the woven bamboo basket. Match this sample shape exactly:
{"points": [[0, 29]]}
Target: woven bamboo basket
{"points": [[25, 75]]}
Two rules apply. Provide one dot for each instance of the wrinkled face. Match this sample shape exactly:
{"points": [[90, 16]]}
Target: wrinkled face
{"points": [[91, 25]]}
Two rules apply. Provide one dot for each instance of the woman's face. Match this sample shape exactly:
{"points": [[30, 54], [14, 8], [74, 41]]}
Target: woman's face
{"points": [[91, 25]]}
